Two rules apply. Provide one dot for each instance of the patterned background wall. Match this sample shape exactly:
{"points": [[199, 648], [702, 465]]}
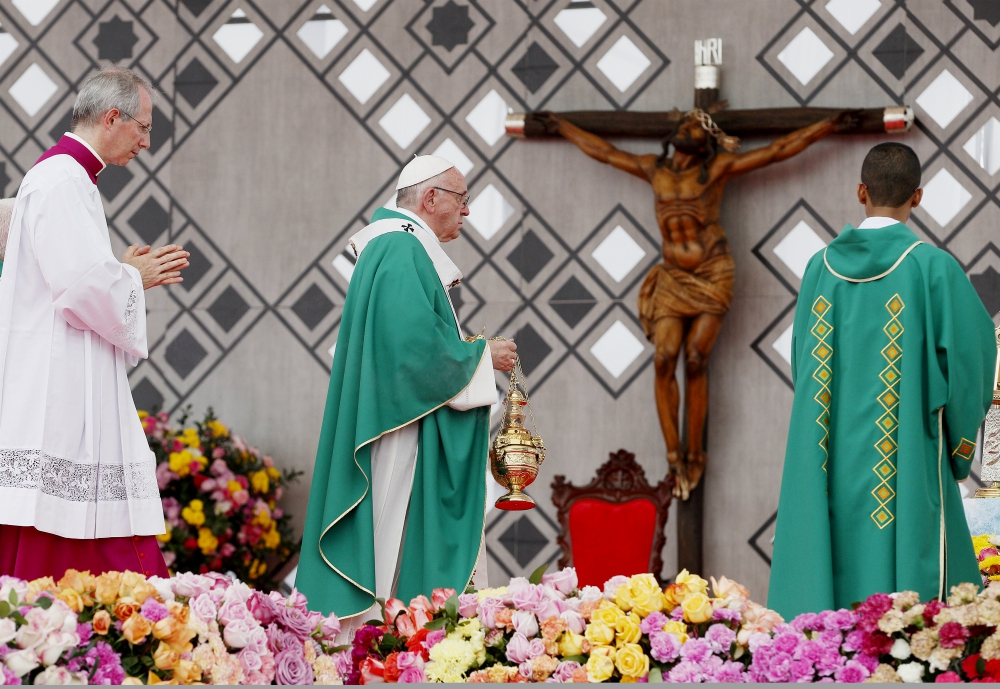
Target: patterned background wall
{"points": [[284, 123]]}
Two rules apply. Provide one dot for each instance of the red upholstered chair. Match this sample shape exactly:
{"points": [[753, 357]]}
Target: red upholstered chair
{"points": [[614, 524]]}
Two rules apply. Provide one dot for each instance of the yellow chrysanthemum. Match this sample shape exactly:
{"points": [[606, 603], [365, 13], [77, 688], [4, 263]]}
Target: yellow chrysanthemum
{"points": [[233, 486], [273, 473], [142, 415], [257, 569], [272, 539], [991, 561], [165, 537], [260, 481], [262, 518], [190, 437], [218, 429], [980, 542], [207, 541], [194, 513], [180, 462]]}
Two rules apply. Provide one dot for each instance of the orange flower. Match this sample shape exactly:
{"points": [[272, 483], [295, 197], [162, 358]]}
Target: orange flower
{"points": [[136, 629], [179, 610], [135, 586], [125, 608], [165, 658], [81, 582], [504, 618], [675, 595], [106, 588], [175, 633], [187, 672], [38, 585], [101, 622]]}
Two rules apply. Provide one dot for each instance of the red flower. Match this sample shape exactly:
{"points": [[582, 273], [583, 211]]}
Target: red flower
{"points": [[876, 644], [931, 609], [415, 644], [871, 610], [392, 671], [199, 479], [952, 635], [950, 676], [372, 671], [191, 543], [970, 666]]}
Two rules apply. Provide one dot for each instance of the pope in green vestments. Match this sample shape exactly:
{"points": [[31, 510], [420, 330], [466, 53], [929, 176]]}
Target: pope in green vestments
{"points": [[892, 358], [400, 361]]}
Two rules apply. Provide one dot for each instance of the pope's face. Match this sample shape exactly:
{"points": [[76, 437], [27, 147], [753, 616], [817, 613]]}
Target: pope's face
{"points": [[128, 136], [449, 210]]}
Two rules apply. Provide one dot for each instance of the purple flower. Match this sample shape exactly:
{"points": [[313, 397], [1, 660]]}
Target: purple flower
{"points": [[807, 620], [664, 647], [153, 610], [788, 642], [720, 637], [564, 671], [530, 598], [467, 605], [487, 610], [854, 640], [654, 622], [727, 615], [829, 662], [853, 672], [677, 614], [564, 581], [696, 650], [686, 671], [262, 607], [84, 631], [517, 648], [867, 661], [10, 678], [801, 671], [525, 623], [330, 627], [278, 639], [574, 621], [291, 668], [297, 621], [729, 673]]}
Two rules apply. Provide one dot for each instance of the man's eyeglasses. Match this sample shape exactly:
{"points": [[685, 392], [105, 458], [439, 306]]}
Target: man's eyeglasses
{"points": [[465, 197], [148, 128]]}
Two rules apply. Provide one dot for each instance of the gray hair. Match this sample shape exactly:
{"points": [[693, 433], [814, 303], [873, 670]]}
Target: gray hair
{"points": [[409, 197], [113, 88]]}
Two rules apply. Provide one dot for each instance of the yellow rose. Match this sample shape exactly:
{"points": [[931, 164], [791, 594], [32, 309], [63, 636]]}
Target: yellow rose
{"points": [[678, 629], [165, 658], [599, 668], [136, 628], [125, 608], [36, 586], [132, 681], [187, 672], [571, 643], [599, 633], [175, 633], [260, 481], [608, 613], [106, 588], [72, 599], [81, 582], [627, 630], [101, 622], [631, 661], [135, 586], [692, 582], [207, 541], [697, 608]]}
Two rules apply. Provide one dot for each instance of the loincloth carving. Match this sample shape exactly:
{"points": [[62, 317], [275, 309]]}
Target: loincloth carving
{"points": [[672, 292]]}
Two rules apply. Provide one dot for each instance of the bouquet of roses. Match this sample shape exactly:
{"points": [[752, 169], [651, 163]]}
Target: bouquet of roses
{"points": [[220, 501]]}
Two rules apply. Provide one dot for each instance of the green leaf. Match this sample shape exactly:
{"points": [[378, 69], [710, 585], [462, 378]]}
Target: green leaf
{"points": [[18, 617], [44, 602], [582, 659], [374, 623], [4, 608], [655, 675], [436, 624], [13, 597], [451, 606], [536, 576]]}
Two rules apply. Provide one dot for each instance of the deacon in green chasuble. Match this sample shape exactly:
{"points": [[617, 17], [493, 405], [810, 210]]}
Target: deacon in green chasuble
{"points": [[893, 356], [398, 493]]}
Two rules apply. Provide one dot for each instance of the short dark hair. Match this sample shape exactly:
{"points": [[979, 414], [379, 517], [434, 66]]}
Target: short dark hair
{"points": [[891, 172]]}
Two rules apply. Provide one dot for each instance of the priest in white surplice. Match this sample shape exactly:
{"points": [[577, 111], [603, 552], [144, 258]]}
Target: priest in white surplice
{"points": [[77, 478], [398, 492]]}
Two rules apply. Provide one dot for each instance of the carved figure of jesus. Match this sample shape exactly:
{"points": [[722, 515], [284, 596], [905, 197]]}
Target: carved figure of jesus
{"points": [[683, 300]]}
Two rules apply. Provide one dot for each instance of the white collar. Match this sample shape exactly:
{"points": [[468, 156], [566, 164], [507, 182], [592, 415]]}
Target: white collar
{"points": [[876, 222], [447, 271], [89, 148]]}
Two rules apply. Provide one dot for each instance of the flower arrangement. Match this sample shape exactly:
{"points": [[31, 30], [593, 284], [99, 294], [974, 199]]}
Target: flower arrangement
{"points": [[121, 628], [220, 501]]}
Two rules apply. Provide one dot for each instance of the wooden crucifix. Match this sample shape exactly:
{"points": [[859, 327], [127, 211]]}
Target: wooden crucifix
{"points": [[684, 299]]}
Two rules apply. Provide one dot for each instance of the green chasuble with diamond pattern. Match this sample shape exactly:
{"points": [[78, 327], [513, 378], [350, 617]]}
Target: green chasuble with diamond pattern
{"points": [[892, 356]]}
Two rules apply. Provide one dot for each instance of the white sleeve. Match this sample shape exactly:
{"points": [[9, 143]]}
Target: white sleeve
{"points": [[90, 288], [482, 390]]}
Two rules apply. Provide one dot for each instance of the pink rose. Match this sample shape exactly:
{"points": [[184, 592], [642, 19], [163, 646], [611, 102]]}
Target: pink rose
{"points": [[525, 623], [564, 581], [467, 604], [536, 647], [169, 557], [421, 603], [227, 549], [550, 608], [209, 485], [330, 627], [296, 621], [297, 600], [574, 621], [191, 585], [249, 660], [421, 618], [393, 607], [292, 668], [412, 675], [529, 598], [203, 607], [232, 610], [171, 510], [612, 585], [564, 671], [237, 633], [589, 594], [408, 659], [434, 638], [219, 468], [487, 610], [257, 642], [517, 648], [218, 453], [241, 497], [268, 462], [439, 597]]}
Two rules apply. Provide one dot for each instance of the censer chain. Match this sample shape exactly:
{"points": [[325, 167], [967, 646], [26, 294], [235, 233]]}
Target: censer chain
{"points": [[516, 369]]}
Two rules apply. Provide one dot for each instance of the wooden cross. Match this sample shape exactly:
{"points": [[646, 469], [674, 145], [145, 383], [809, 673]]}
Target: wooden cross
{"points": [[684, 299]]}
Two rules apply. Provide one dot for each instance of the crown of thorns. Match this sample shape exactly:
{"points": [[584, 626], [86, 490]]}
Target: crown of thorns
{"points": [[730, 143]]}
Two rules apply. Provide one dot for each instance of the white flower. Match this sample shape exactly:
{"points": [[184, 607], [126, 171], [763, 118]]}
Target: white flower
{"points": [[16, 585], [60, 675], [911, 672], [900, 649], [55, 644], [8, 630], [163, 587], [21, 662]]}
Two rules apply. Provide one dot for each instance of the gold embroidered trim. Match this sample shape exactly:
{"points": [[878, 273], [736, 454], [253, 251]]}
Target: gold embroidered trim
{"points": [[966, 449], [888, 423], [823, 353]]}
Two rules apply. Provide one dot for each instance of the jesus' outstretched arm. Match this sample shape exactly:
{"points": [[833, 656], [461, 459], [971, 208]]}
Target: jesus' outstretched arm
{"points": [[790, 144], [597, 148]]}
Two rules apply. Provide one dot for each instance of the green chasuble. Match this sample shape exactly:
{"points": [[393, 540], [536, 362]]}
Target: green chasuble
{"points": [[399, 359], [892, 357]]}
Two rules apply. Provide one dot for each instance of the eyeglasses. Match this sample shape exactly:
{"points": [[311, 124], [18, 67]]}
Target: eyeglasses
{"points": [[465, 197], [148, 128]]}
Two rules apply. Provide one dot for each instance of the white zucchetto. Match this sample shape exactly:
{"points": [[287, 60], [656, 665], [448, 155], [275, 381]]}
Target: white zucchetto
{"points": [[422, 168]]}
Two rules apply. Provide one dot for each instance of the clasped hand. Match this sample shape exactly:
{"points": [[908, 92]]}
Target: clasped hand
{"points": [[157, 267], [502, 352]]}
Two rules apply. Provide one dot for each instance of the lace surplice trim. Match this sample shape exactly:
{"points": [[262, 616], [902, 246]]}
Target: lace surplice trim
{"points": [[77, 482], [124, 336]]}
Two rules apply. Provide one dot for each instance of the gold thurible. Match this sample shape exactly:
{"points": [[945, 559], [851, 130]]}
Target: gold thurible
{"points": [[516, 454]]}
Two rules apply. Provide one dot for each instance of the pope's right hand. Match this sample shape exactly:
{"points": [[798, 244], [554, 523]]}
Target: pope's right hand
{"points": [[502, 352], [161, 266]]}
